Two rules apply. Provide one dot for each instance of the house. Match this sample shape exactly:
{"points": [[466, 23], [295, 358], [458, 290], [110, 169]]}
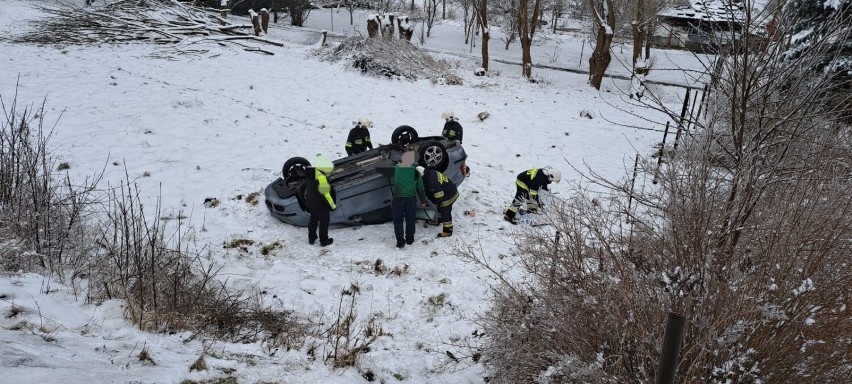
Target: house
{"points": [[706, 25]]}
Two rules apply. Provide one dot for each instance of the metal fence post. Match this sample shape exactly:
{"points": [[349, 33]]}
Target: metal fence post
{"points": [[671, 349]]}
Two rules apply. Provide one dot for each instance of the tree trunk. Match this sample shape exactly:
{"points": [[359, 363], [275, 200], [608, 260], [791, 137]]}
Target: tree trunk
{"points": [[526, 31], [480, 7], [485, 37], [526, 58], [639, 32], [601, 56]]}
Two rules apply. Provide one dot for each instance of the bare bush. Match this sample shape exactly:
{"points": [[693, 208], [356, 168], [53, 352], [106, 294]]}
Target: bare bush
{"points": [[42, 214], [169, 287], [345, 339], [50, 225], [747, 234]]}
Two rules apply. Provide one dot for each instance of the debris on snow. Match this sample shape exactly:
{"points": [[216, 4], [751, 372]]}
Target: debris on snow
{"points": [[391, 58]]}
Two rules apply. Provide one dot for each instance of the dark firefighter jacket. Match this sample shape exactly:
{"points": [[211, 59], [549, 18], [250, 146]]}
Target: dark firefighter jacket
{"points": [[440, 190], [452, 130], [358, 140], [532, 181]]}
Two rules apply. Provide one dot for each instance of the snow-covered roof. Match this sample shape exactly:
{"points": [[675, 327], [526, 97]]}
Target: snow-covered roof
{"points": [[708, 10]]}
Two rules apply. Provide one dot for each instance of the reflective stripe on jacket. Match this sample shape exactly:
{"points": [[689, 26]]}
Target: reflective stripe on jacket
{"points": [[532, 181], [442, 190], [324, 188]]}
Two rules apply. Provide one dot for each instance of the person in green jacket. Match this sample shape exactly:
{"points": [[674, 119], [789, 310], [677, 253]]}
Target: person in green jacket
{"points": [[319, 200], [408, 185]]}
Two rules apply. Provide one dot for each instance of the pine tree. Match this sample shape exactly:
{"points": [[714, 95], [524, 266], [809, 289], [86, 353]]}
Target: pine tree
{"points": [[824, 28]]}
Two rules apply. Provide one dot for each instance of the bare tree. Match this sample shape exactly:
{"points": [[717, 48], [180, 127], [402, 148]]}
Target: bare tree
{"points": [[299, 11], [430, 8], [480, 7], [469, 19], [605, 22], [527, 25], [509, 21]]}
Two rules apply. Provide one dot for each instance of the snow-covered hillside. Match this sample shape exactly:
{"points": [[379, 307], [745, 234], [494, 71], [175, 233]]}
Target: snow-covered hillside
{"points": [[219, 122]]}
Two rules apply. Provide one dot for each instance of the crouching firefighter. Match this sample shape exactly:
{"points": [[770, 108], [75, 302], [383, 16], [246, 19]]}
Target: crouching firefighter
{"points": [[319, 200], [528, 184], [442, 192]]}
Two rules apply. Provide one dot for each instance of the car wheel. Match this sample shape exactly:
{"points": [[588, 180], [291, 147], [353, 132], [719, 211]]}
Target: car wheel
{"points": [[294, 169], [433, 155], [404, 135]]}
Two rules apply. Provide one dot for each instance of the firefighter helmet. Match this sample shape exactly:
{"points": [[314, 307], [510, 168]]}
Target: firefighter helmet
{"points": [[364, 122], [552, 174]]}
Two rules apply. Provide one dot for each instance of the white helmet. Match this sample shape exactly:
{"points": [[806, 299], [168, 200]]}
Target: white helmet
{"points": [[449, 115], [420, 170], [364, 122], [552, 174]]}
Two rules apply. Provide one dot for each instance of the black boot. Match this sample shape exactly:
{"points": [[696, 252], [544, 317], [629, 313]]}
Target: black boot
{"points": [[512, 219], [327, 241]]}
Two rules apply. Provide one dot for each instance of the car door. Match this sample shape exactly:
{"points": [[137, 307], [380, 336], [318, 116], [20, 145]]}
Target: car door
{"points": [[366, 198]]}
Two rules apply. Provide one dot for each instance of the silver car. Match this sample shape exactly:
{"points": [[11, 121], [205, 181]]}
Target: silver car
{"points": [[362, 184]]}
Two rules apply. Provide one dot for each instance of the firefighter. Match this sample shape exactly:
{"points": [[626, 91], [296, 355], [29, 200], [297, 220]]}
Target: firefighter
{"points": [[319, 200], [452, 128], [359, 137], [442, 192], [528, 184]]}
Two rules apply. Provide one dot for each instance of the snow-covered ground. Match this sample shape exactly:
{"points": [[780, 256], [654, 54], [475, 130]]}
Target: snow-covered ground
{"points": [[220, 122]]}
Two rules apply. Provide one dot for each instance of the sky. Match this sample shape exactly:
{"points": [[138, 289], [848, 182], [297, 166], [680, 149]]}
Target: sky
{"points": [[202, 120]]}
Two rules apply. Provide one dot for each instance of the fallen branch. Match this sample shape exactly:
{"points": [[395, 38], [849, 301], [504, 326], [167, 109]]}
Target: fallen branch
{"points": [[122, 22]]}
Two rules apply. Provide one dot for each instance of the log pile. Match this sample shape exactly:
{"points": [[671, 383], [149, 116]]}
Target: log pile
{"points": [[128, 21]]}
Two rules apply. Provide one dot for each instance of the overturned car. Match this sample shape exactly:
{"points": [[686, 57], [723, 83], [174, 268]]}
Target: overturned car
{"points": [[362, 184]]}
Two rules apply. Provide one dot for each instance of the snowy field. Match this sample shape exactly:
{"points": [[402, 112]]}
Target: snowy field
{"points": [[220, 122]]}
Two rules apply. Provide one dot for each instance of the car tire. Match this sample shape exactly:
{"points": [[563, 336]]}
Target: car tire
{"points": [[404, 135], [433, 155], [294, 169]]}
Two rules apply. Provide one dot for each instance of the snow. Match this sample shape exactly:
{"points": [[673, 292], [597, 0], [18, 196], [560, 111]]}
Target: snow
{"points": [[807, 285], [220, 122], [716, 10], [833, 4]]}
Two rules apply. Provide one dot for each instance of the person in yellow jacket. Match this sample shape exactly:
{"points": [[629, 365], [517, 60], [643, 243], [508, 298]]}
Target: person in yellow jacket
{"points": [[319, 200]]}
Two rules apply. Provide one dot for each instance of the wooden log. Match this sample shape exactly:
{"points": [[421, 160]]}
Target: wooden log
{"points": [[406, 31], [264, 20], [372, 26], [387, 26], [255, 22]]}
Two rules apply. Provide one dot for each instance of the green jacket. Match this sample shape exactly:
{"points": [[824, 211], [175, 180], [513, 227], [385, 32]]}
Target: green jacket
{"points": [[407, 183]]}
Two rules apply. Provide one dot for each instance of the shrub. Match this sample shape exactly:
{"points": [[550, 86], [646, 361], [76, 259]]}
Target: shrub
{"points": [[746, 234], [44, 214]]}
